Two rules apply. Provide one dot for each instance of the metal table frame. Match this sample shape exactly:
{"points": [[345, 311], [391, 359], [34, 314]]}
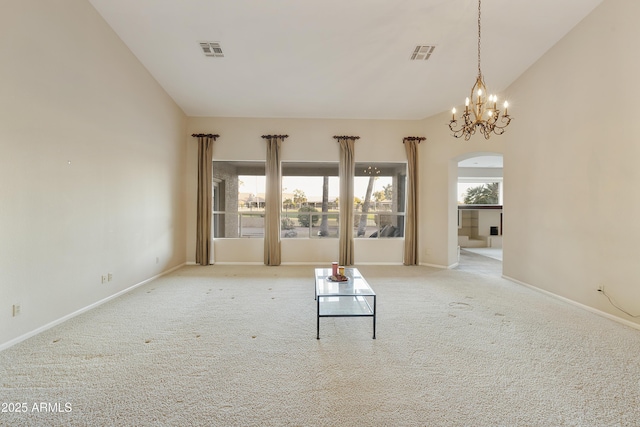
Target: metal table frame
{"points": [[353, 298]]}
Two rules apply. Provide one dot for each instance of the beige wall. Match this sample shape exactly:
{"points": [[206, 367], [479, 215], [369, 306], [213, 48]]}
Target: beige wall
{"points": [[92, 165], [309, 140], [380, 140], [571, 165], [439, 183]]}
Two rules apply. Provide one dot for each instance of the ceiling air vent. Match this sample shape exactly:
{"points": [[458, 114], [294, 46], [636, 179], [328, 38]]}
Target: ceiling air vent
{"points": [[212, 49], [422, 53]]}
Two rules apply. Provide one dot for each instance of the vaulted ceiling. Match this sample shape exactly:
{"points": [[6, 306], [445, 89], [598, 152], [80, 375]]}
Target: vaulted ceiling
{"points": [[335, 58]]}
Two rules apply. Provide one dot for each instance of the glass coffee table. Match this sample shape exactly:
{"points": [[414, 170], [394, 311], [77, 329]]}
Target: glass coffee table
{"points": [[353, 298]]}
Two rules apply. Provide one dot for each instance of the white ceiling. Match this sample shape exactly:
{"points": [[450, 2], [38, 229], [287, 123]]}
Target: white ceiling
{"points": [[335, 58]]}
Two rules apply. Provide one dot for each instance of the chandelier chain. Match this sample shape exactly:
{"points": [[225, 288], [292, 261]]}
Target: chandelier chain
{"points": [[479, 71]]}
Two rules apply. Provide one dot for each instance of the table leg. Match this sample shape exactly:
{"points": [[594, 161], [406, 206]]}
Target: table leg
{"points": [[374, 317], [318, 317]]}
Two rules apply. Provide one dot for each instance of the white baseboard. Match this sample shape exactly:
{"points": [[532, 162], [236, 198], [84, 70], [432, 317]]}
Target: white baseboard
{"points": [[225, 263], [443, 267], [237, 263], [63, 319], [575, 303], [310, 264], [307, 263], [378, 263]]}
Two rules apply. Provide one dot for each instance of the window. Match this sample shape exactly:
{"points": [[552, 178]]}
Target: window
{"points": [[238, 199], [479, 193], [310, 206], [379, 190], [310, 200]]}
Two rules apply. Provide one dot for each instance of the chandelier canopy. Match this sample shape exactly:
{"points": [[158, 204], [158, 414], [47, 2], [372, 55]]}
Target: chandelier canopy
{"points": [[481, 113]]}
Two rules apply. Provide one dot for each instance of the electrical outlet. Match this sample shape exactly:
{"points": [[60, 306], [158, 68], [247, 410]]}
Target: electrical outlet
{"points": [[110, 277], [16, 309], [104, 279]]}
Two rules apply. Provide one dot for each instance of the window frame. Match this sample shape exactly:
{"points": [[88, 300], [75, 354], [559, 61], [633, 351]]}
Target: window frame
{"points": [[397, 172], [310, 169]]}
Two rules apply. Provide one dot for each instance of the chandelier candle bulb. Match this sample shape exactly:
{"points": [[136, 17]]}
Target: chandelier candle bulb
{"points": [[453, 114]]}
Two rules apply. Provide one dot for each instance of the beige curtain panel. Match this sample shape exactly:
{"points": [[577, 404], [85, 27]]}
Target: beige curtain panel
{"points": [[273, 200], [347, 173], [411, 215], [205, 197]]}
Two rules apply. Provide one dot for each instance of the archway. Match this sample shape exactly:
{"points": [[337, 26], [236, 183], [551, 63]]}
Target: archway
{"points": [[475, 214]]}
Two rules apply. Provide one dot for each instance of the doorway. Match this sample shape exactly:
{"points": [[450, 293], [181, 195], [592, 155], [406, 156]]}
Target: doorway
{"points": [[479, 201]]}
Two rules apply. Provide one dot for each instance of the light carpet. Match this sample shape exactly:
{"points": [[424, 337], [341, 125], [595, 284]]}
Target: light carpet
{"points": [[236, 346], [495, 253]]}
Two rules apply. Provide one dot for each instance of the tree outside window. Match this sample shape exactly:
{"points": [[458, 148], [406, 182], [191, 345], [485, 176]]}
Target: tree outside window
{"points": [[484, 194]]}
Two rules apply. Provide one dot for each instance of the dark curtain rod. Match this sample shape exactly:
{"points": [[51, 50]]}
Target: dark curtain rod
{"points": [[414, 138], [202, 135], [346, 137]]}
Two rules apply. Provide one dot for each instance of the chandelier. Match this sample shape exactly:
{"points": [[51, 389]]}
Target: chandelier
{"points": [[481, 112], [372, 171]]}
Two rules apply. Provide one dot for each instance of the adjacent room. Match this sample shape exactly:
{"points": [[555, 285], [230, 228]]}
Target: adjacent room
{"points": [[174, 173]]}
